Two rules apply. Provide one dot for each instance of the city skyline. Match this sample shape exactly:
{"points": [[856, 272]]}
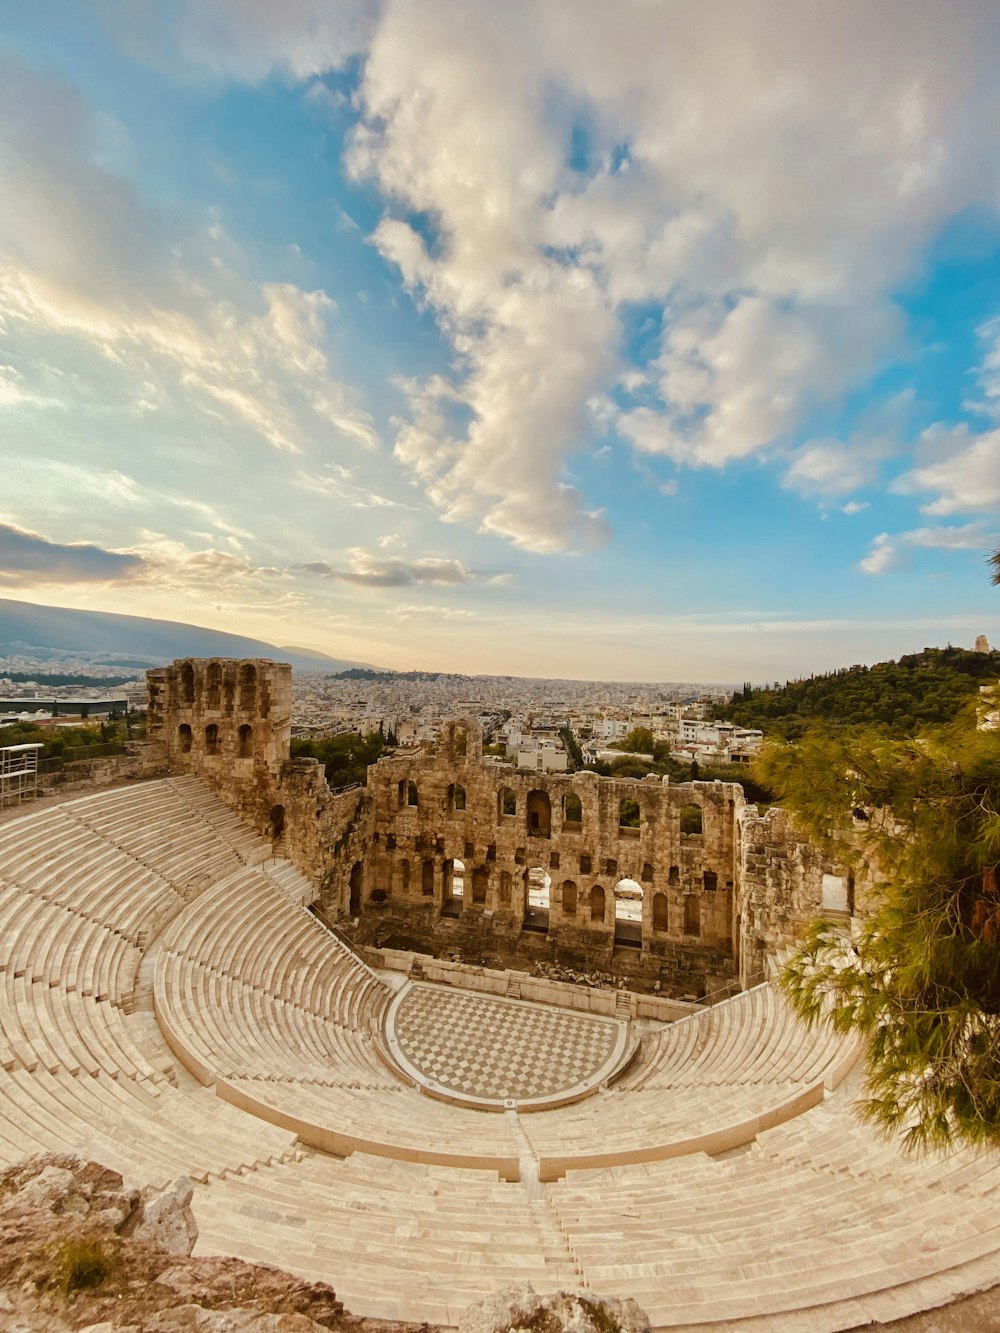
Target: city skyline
{"points": [[566, 340]]}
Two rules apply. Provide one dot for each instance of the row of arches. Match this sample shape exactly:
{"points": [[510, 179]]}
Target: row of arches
{"points": [[538, 810], [451, 885], [212, 739], [245, 686]]}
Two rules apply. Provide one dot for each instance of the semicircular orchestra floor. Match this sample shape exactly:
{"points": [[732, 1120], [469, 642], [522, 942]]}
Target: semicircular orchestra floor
{"points": [[488, 1050]]}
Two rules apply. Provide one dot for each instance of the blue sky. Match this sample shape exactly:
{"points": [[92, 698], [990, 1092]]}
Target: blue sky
{"points": [[636, 341]]}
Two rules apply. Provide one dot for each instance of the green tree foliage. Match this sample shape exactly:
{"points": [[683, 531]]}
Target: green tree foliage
{"points": [[628, 814], [640, 740], [572, 746], [900, 698], [345, 758], [64, 742], [921, 978]]}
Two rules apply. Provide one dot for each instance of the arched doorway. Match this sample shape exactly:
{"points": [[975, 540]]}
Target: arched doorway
{"points": [[454, 887], [628, 914], [538, 885], [357, 883], [276, 822], [539, 814]]}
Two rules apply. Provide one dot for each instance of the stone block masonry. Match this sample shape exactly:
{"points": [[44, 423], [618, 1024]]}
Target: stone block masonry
{"points": [[455, 851]]}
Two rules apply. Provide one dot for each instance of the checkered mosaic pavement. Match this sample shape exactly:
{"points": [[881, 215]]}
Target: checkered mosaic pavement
{"points": [[492, 1048]]}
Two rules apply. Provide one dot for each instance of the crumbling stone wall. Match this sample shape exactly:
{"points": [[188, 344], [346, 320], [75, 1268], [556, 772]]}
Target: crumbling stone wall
{"points": [[429, 812], [781, 887], [719, 882]]}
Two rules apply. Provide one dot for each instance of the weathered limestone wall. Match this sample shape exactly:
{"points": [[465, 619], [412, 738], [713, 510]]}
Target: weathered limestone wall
{"points": [[781, 877], [719, 882]]}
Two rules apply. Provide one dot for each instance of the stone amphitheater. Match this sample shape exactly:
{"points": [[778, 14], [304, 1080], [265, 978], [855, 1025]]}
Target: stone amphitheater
{"points": [[173, 1004]]}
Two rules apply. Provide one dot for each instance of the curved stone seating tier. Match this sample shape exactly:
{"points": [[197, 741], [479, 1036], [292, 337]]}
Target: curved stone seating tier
{"points": [[399, 1240], [390, 1122], [248, 929], [149, 1132], [751, 1038], [224, 1028], [775, 1232], [814, 1224], [51, 943], [647, 1126]]}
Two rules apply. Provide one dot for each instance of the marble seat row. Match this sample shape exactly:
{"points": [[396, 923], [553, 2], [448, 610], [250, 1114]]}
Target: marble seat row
{"points": [[150, 1132], [648, 1125], [772, 1231], [433, 1239], [49, 942], [248, 928], [751, 1038], [230, 1029], [395, 1122]]}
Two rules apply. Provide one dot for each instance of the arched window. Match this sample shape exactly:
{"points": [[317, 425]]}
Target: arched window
{"points": [[187, 683], [569, 897], [539, 814], [245, 735], [691, 824], [597, 903], [660, 915], [427, 879], [628, 913], [692, 915], [628, 814], [404, 876], [539, 883], [460, 742], [184, 735], [213, 686], [248, 687], [675, 877], [572, 808], [456, 796], [710, 881], [411, 793], [506, 803], [212, 738], [647, 873]]}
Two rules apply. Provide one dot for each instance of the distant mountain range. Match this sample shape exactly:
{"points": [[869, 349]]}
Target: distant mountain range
{"points": [[37, 631]]}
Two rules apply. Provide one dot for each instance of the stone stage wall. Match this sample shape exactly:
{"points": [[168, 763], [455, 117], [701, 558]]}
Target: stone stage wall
{"points": [[722, 887]]}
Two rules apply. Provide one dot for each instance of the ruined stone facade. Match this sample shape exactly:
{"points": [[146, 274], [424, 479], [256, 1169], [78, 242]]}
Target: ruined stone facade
{"points": [[714, 886]]}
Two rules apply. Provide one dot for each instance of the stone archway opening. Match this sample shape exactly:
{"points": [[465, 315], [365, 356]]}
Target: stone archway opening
{"points": [[538, 897], [628, 914], [454, 887], [276, 822]]}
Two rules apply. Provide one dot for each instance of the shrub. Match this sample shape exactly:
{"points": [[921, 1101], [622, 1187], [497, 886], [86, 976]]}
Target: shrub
{"points": [[81, 1262]]}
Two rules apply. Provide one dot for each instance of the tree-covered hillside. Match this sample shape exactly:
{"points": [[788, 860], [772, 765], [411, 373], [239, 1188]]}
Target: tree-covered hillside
{"points": [[899, 697]]}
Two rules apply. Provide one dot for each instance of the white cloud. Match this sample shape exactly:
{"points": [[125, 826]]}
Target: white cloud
{"points": [[961, 467], [769, 174], [828, 468], [368, 570], [162, 323], [883, 556], [888, 552], [855, 507]]}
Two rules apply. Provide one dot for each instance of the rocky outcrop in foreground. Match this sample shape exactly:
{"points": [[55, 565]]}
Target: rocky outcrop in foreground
{"points": [[521, 1308], [79, 1251]]}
